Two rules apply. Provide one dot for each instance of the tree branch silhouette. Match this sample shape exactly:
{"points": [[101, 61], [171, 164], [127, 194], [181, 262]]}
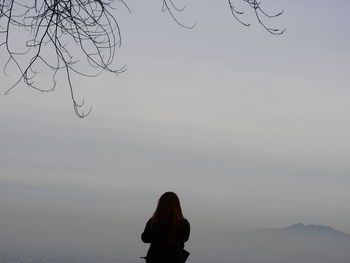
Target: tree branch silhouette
{"points": [[259, 14], [58, 28]]}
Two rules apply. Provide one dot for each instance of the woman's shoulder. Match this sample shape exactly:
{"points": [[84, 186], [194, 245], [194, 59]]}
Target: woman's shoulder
{"points": [[185, 222]]}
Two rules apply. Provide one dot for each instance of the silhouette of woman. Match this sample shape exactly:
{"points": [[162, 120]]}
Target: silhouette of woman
{"points": [[167, 231]]}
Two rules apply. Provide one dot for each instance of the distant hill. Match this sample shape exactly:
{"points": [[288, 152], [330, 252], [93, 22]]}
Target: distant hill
{"points": [[297, 243], [316, 229], [311, 230]]}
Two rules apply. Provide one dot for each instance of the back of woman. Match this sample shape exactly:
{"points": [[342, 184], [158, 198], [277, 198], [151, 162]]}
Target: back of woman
{"points": [[167, 231]]}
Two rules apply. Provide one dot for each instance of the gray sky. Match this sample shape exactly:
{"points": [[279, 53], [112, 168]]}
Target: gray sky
{"points": [[250, 129]]}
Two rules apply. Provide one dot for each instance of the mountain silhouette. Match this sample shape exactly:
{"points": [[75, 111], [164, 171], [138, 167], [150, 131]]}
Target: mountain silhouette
{"points": [[315, 229], [295, 243], [300, 229]]}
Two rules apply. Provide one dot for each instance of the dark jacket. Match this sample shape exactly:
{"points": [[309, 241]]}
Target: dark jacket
{"points": [[160, 250]]}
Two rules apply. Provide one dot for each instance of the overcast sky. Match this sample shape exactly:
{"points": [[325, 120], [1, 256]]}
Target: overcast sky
{"points": [[251, 130]]}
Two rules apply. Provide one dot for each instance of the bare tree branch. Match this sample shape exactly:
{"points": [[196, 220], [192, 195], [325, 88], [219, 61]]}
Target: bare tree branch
{"points": [[55, 30], [56, 27], [170, 7], [259, 13]]}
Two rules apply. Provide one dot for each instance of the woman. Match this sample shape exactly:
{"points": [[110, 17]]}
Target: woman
{"points": [[167, 231]]}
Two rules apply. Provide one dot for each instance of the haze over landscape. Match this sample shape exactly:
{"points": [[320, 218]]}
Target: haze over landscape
{"points": [[251, 130]]}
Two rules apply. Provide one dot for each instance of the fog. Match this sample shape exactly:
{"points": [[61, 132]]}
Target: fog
{"points": [[250, 130], [251, 247], [95, 201], [109, 236]]}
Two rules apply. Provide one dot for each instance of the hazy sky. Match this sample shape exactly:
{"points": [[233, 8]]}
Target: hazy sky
{"points": [[250, 129]]}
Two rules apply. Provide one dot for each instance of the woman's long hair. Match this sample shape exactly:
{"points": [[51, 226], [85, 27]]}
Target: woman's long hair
{"points": [[168, 214]]}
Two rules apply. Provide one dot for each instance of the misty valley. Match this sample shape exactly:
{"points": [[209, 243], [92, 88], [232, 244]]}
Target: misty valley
{"points": [[296, 243]]}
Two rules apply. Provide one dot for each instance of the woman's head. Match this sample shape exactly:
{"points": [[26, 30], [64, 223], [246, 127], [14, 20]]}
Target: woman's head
{"points": [[168, 210]]}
